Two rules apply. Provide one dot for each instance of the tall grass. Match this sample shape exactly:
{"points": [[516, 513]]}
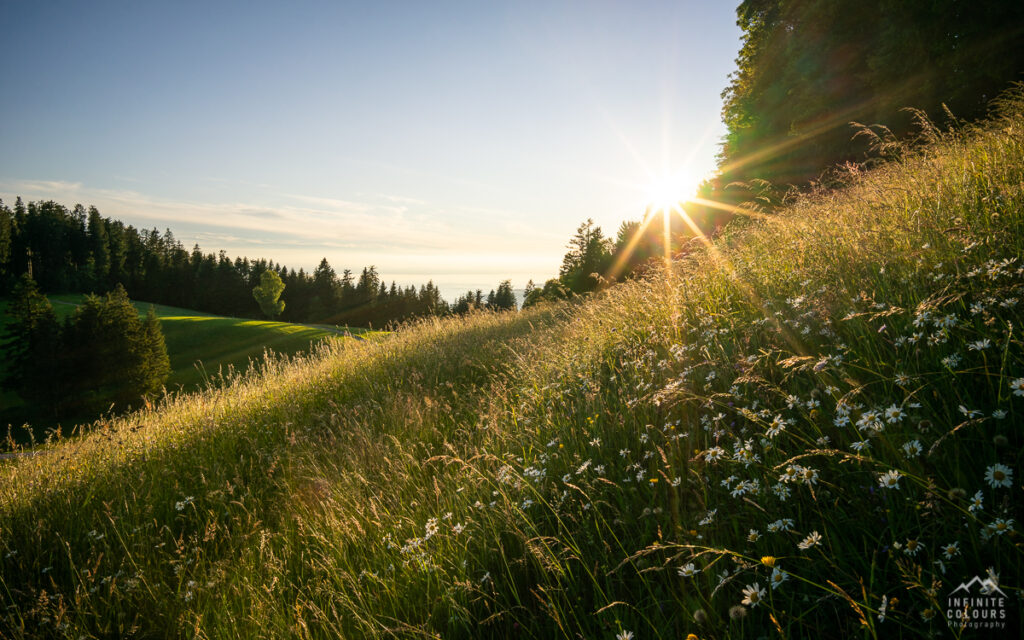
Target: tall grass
{"points": [[811, 427]]}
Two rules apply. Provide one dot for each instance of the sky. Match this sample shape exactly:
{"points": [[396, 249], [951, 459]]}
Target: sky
{"points": [[462, 142]]}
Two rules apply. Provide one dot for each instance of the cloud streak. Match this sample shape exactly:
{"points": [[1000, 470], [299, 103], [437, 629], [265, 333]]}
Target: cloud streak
{"points": [[402, 234]]}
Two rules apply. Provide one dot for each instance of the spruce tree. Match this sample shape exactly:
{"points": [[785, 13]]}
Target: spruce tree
{"points": [[32, 347]]}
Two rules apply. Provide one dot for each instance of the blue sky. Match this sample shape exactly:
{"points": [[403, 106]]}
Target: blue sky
{"points": [[459, 141]]}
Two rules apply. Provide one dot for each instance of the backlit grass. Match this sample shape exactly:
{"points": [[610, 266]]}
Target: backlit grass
{"points": [[813, 428]]}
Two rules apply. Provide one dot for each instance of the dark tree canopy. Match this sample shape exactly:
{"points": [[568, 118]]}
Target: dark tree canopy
{"points": [[808, 68]]}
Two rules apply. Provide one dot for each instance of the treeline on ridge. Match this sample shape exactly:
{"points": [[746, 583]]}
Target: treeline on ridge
{"points": [[79, 250]]}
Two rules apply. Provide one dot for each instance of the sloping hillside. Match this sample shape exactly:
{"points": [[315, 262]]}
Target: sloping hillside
{"points": [[203, 347], [812, 426]]}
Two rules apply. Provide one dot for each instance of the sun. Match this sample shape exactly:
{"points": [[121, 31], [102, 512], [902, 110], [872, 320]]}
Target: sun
{"points": [[669, 191]]}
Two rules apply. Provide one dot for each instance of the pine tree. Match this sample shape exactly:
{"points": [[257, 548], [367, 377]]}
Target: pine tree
{"points": [[32, 346], [504, 298], [116, 358]]}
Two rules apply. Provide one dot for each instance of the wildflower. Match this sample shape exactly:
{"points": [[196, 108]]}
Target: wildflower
{"points": [[785, 524], [812, 540], [459, 528], [791, 473], [624, 635], [809, 476], [999, 475], [753, 594], [776, 427], [768, 561], [861, 445], [781, 491], [527, 503], [713, 454], [913, 448], [993, 579], [1017, 386], [1001, 526], [950, 550], [882, 608], [688, 570], [980, 345], [999, 414], [912, 548], [777, 578], [623, 452], [889, 479], [976, 502], [870, 420], [928, 614], [180, 506], [893, 414], [970, 413], [430, 528], [951, 361], [753, 535]]}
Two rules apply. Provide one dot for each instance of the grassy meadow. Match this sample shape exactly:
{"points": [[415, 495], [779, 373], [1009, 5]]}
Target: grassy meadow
{"points": [[811, 427], [205, 348]]}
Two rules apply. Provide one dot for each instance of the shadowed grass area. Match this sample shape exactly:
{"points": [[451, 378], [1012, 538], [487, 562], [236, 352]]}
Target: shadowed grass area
{"points": [[202, 347], [810, 428]]}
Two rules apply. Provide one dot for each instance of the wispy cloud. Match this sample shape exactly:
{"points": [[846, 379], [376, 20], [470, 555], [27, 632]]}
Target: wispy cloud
{"points": [[402, 234]]}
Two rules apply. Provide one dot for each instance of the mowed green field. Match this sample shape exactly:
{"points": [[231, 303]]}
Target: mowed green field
{"points": [[201, 345]]}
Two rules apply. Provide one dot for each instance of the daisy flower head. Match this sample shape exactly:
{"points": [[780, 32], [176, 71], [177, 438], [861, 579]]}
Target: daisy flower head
{"points": [[999, 475], [777, 578], [1017, 386], [893, 414], [860, 445], [1001, 526], [812, 540], [913, 448], [950, 550], [753, 594], [809, 475], [889, 479], [688, 570], [977, 502]]}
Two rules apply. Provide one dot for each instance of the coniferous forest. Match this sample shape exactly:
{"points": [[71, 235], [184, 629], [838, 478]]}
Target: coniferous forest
{"points": [[79, 250]]}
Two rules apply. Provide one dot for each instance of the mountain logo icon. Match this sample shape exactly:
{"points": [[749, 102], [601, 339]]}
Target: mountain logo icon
{"points": [[987, 587]]}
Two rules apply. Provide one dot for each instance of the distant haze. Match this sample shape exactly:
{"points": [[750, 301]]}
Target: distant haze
{"points": [[423, 138]]}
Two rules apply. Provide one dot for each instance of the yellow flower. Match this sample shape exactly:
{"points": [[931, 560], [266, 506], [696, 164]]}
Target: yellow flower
{"points": [[654, 480], [692, 636], [768, 561]]}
